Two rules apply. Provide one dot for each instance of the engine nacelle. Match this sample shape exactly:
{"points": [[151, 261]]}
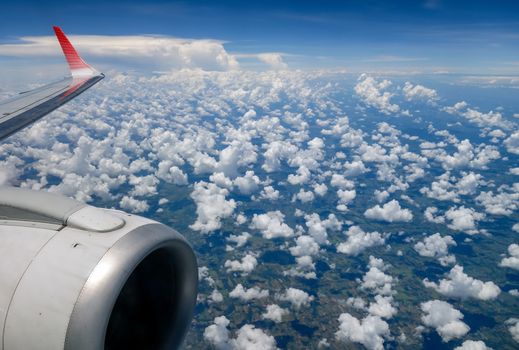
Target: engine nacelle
{"points": [[73, 276]]}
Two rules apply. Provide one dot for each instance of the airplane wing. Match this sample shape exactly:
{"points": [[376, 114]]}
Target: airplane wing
{"points": [[27, 107]]}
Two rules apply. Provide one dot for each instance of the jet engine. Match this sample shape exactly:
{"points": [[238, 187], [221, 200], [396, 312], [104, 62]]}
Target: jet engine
{"points": [[73, 276]]}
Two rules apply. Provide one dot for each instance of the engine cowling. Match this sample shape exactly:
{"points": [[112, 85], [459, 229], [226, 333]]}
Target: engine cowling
{"points": [[73, 276]]}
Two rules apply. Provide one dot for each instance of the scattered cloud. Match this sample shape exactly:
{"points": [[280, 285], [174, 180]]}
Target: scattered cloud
{"points": [[459, 285], [447, 320]]}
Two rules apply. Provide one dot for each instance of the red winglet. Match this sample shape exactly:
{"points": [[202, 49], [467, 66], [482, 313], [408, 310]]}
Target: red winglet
{"points": [[76, 64]]}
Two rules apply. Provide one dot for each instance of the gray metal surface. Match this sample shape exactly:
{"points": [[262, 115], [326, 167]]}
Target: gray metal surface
{"points": [[58, 288], [29, 204], [26, 108], [89, 320]]}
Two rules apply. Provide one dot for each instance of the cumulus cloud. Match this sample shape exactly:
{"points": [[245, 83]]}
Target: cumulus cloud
{"points": [[305, 245], [271, 225], [248, 294], [134, 205], [211, 206], [390, 212], [269, 193], [505, 202], [247, 337], [250, 337], [372, 94], [419, 92], [275, 313], [318, 228], [377, 281], [512, 143], [273, 60], [247, 183], [358, 241], [297, 297], [473, 345], [382, 307], [165, 51], [247, 264], [463, 219], [430, 215], [216, 296], [304, 196], [459, 285], [370, 331], [436, 246], [218, 334], [447, 320], [513, 260], [479, 118], [514, 328], [240, 240]]}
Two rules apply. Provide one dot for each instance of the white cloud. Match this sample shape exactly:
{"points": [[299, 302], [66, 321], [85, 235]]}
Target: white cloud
{"points": [[320, 189], [134, 205], [220, 180], [237, 154], [436, 246], [463, 219], [297, 297], [341, 182], [247, 337], [247, 183], [302, 176], [382, 307], [211, 206], [513, 260], [271, 225], [251, 338], [373, 94], [247, 264], [377, 281], [358, 241], [240, 240], [275, 313], [390, 212], [513, 328], [273, 59], [512, 143], [318, 228], [419, 92], [429, 215], [165, 51], [305, 245], [216, 296], [369, 332], [345, 198], [248, 294], [473, 345], [459, 285], [354, 168], [479, 118], [218, 334], [171, 173], [304, 196], [505, 202], [269, 193], [445, 319]]}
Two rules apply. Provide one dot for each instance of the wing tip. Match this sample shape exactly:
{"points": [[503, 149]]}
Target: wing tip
{"points": [[78, 67]]}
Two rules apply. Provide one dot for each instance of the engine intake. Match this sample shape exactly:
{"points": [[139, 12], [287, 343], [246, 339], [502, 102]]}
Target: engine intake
{"points": [[78, 277]]}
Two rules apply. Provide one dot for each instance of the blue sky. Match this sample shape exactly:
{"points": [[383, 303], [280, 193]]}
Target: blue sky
{"points": [[428, 36]]}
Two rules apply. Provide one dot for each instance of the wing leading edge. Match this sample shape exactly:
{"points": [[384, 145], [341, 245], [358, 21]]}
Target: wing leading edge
{"points": [[20, 111]]}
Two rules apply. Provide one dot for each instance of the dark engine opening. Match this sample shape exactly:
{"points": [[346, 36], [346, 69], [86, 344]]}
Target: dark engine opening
{"points": [[144, 311]]}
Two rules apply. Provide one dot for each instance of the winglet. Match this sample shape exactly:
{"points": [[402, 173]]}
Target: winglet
{"points": [[77, 66]]}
